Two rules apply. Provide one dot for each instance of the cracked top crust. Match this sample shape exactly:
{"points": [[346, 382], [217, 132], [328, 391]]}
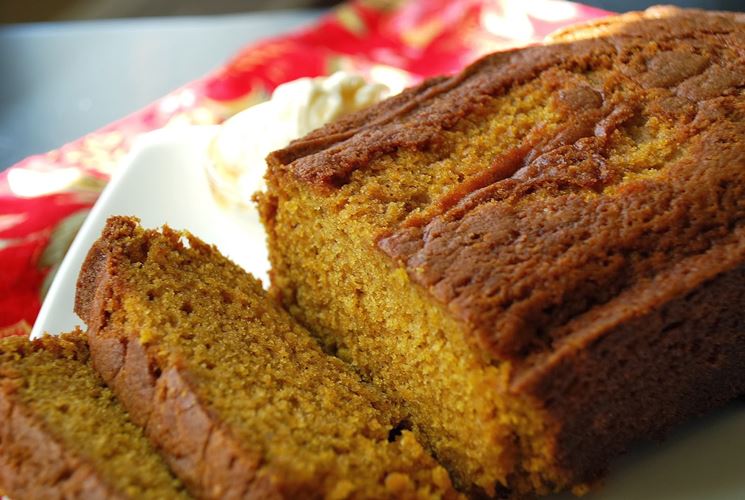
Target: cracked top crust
{"points": [[642, 169]]}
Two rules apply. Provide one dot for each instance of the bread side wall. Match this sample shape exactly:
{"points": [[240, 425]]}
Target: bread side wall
{"points": [[637, 379]]}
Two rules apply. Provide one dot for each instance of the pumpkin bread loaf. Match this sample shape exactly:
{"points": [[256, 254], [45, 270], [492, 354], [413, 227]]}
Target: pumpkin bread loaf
{"points": [[541, 259], [62, 432], [241, 400]]}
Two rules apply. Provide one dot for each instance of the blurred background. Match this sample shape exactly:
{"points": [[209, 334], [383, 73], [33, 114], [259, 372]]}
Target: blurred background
{"points": [[68, 67], [16, 11]]}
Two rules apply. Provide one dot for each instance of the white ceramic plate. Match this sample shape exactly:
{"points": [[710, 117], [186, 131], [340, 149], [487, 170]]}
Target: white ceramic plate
{"points": [[162, 181]]}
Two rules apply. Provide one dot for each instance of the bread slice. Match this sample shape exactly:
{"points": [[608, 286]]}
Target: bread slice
{"points": [[541, 259], [62, 432], [240, 398]]}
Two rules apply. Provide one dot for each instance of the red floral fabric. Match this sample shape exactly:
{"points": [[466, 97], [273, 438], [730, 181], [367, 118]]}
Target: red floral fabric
{"points": [[44, 198]]}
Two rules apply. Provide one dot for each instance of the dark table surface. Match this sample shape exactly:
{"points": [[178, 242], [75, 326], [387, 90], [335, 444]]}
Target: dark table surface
{"points": [[60, 81]]}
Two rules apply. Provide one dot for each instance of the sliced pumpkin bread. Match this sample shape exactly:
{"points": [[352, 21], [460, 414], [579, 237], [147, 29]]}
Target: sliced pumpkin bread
{"points": [[62, 432], [239, 397]]}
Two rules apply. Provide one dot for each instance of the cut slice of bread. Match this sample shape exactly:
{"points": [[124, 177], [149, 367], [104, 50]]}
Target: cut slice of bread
{"points": [[62, 432], [239, 397]]}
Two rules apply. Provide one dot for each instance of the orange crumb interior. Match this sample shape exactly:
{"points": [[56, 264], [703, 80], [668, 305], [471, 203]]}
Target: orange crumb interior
{"points": [[58, 387], [317, 427]]}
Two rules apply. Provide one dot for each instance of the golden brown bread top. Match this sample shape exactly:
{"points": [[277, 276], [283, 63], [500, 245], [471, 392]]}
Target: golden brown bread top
{"points": [[569, 216], [414, 118]]}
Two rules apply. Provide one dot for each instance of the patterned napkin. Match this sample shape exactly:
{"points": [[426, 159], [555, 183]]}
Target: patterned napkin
{"points": [[45, 198]]}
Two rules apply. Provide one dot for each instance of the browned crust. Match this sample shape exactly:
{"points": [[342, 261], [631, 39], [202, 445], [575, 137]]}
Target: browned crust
{"points": [[515, 268], [638, 372], [517, 273], [611, 353], [341, 130], [411, 120], [158, 396], [606, 26], [33, 462], [477, 248], [416, 118]]}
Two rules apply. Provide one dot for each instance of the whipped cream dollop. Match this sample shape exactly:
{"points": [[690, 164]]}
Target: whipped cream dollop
{"points": [[236, 167]]}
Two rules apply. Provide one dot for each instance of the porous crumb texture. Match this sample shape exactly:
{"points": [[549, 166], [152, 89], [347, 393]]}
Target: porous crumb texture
{"points": [[62, 432], [478, 246], [241, 398]]}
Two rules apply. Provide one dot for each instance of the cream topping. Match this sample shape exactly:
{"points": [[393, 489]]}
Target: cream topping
{"points": [[237, 153]]}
